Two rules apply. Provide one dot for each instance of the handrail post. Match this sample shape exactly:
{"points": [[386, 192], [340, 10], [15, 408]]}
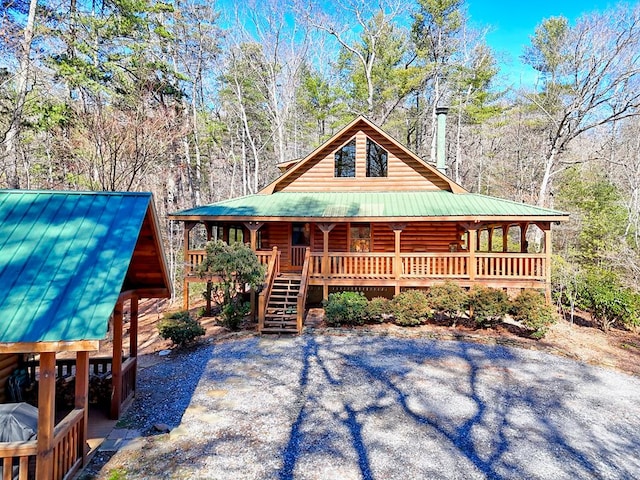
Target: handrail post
{"points": [[471, 240], [302, 294], [273, 269]]}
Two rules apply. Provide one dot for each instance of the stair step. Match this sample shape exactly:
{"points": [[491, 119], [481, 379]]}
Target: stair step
{"points": [[280, 322], [277, 318], [279, 330]]}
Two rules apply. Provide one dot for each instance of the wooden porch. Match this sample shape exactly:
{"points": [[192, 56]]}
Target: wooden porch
{"points": [[402, 255]]}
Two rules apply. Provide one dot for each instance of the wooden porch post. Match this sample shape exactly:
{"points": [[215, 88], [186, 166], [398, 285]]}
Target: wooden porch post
{"points": [[505, 238], [133, 338], [253, 228], [185, 287], [81, 398], [547, 251], [490, 231], [473, 236], [116, 363], [326, 270], [523, 237], [46, 415], [397, 262], [133, 327]]}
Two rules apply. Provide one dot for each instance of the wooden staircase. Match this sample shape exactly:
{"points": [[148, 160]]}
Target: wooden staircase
{"points": [[282, 305]]}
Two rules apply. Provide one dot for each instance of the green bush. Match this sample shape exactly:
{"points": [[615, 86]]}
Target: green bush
{"points": [[378, 310], [488, 306], [180, 328], [448, 299], [233, 313], [345, 308], [531, 309], [410, 308], [608, 301]]}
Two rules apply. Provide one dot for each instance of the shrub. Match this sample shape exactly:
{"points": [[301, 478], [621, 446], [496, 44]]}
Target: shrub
{"points": [[180, 328], [531, 309], [610, 303], [233, 313], [378, 310], [345, 308], [410, 308], [488, 306], [448, 299]]}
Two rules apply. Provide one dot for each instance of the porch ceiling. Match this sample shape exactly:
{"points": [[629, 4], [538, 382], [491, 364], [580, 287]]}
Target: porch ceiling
{"points": [[370, 206]]}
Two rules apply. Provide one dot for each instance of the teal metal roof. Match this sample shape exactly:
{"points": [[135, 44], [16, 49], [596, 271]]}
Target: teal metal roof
{"points": [[436, 204], [63, 260]]}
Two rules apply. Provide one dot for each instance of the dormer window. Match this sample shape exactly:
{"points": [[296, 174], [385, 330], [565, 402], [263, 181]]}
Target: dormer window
{"points": [[376, 160], [345, 160]]}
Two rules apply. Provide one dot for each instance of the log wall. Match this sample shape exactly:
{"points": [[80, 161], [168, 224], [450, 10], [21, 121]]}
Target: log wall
{"points": [[403, 172]]}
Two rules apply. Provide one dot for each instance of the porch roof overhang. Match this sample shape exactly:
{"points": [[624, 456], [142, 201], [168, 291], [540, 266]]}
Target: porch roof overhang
{"points": [[370, 207], [66, 258]]}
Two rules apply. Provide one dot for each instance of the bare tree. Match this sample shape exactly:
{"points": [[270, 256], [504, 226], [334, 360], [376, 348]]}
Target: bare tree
{"points": [[591, 77], [22, 78]]}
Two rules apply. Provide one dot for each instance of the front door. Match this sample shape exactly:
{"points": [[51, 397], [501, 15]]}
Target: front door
{"points": [[300, 240]]}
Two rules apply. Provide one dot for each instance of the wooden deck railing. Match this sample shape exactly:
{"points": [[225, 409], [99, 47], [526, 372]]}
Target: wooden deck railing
{"points": [[18, 458], [129, 371], [530, 266], [68, 445], [302, 294], [66, 367], [23, 454], [434, 265], [273, 269], [455, 265], [298, 255], [194, 259], [354, 265]]}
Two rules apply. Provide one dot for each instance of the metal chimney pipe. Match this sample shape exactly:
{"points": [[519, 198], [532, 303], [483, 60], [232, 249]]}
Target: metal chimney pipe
{"points": [[441, 163]]}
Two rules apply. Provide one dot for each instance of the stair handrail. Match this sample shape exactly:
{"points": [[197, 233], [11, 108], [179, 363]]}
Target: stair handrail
{"points": [[302, 294], [273, 269]]}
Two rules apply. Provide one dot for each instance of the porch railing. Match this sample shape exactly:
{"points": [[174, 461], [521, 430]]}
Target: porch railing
{"points": [[194, 259], [530, 266], [273, 269], [297, 255], [302, 294], [68, 449], [455, 265], [23, 454], [68, 445], [354, 265], [434, 265]]}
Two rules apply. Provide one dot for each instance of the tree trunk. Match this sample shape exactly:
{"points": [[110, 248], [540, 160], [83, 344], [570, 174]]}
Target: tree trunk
{"points": [[12, 137]]}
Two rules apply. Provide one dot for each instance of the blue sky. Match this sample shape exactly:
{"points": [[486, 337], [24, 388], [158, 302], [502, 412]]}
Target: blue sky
{"points": [[511, 24]]}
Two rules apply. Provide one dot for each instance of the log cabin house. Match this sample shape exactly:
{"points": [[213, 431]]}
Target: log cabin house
{"points": [[363, 212], [69, 263]]}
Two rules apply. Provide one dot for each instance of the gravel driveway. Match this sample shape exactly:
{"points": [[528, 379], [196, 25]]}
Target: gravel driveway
{"points": [[370, 407]]}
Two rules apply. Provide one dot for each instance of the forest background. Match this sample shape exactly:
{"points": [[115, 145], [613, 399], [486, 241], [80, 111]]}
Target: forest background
{"points": [[198, 103]]}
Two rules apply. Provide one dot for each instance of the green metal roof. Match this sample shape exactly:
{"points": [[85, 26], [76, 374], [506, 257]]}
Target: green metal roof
{"points": [[437, 204], [63, 260]]}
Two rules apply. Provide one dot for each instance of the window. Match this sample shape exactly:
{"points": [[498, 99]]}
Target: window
{"points": [[236, 235], [376, 160], [345, 160], [360, 238]]}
